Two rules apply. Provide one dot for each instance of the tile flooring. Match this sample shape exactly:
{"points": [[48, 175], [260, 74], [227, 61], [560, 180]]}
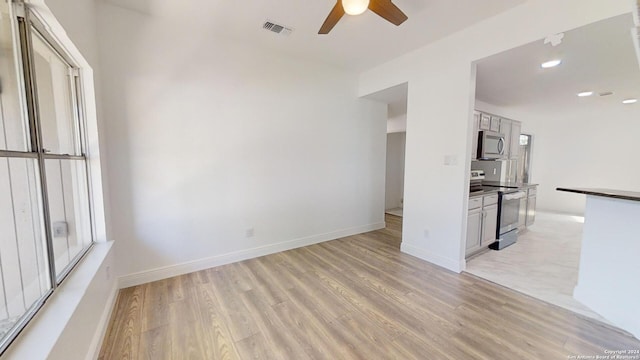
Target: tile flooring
{"points": [[542, 264]]}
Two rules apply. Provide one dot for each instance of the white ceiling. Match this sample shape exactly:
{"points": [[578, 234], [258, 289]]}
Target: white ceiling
{"points": [[598, 57], [357, 42]]}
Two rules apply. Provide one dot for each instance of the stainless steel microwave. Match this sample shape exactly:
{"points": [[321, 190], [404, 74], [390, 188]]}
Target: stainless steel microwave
{"points": [[490, 146]]}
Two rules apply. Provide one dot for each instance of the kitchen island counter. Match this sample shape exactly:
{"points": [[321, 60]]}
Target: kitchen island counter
{"points": [[609, 255], [610, 193]]}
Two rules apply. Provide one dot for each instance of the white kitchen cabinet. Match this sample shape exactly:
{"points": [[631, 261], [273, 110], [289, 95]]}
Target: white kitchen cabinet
{"points": [[509, 128], [485, 121], [531, 206], [474, 134], [482, 222], [514, 143], [489, 224], [474, 229], [495, 123], [511, 131]]}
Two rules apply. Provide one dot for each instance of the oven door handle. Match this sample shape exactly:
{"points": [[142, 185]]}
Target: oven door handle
{"points": [[514, 196]]}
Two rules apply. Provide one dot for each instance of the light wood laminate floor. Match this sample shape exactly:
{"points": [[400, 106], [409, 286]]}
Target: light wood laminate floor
{"points": [[352, 298]]}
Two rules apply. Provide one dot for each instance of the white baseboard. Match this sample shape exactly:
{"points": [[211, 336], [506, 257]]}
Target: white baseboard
{"points": [[206, 263], [449, 264], [103, 324]]}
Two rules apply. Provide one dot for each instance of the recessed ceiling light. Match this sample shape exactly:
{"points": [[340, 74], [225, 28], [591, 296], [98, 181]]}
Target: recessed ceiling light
{"points": [[630, 101], [606, 93], [551, 63], [585, 93]]}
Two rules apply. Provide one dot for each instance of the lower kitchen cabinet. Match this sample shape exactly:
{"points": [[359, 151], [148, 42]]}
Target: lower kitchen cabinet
{"points": [[482, 222], [474, 228], [489, 224], [531, 207]]}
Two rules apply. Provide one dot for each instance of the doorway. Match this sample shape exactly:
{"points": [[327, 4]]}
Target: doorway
{"points": [[394, 184], [396, 99]]}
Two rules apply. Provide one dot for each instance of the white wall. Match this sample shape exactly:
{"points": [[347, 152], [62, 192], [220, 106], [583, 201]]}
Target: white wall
{"points": [[592, 147], [394, 180], [209, 140], [441, 97]]}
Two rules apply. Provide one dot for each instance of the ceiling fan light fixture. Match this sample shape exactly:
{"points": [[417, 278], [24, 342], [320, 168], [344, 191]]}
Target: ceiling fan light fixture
{"points": [[355, 7]]}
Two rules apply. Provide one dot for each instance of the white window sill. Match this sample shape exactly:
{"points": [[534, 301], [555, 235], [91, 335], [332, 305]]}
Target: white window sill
{"points": [[41, 336]]}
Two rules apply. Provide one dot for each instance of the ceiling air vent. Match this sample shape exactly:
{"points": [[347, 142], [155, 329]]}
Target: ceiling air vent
{"points": [[276, 28]]}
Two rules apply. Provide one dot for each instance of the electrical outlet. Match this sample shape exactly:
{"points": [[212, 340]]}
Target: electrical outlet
{"points": [[250, 232], [426, 233], [59, 229], [108, 271]]}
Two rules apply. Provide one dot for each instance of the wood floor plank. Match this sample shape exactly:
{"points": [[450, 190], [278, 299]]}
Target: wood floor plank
{"points": [[262, 277], [217, 333], [316, 337], [371, 342], [256, 347], [233, 310], [274, 332], [353, 298], [187, 337], [155, 306], [155, 344], [124, 339]]}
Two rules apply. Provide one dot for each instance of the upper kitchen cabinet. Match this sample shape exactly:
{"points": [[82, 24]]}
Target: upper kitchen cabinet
{"points": [[495, 123], [514, 146], [485, 121], [509, 128], [474, 134], [511, 131]]}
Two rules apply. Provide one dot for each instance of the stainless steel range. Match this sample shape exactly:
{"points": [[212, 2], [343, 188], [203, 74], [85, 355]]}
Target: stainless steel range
{"points": [[475, 181], [508, 215]]}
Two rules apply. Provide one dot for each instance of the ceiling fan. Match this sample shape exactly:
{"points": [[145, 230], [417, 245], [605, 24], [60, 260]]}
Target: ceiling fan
{"points": [[385, 8]]}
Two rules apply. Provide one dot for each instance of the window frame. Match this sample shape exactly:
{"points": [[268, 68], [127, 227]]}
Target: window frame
{"points": [[25, 22]]}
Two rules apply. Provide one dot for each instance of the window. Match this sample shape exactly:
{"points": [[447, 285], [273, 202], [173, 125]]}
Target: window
{"points": [[45, 221]]}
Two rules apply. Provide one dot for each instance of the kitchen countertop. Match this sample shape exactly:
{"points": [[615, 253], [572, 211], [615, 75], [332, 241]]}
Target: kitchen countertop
{"points": [[610, 193], [490, 190], [494, 188], [509, 185]]}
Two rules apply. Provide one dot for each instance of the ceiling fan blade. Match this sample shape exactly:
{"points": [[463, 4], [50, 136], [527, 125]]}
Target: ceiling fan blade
{"points": [[334, 16], [387, 10]]}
